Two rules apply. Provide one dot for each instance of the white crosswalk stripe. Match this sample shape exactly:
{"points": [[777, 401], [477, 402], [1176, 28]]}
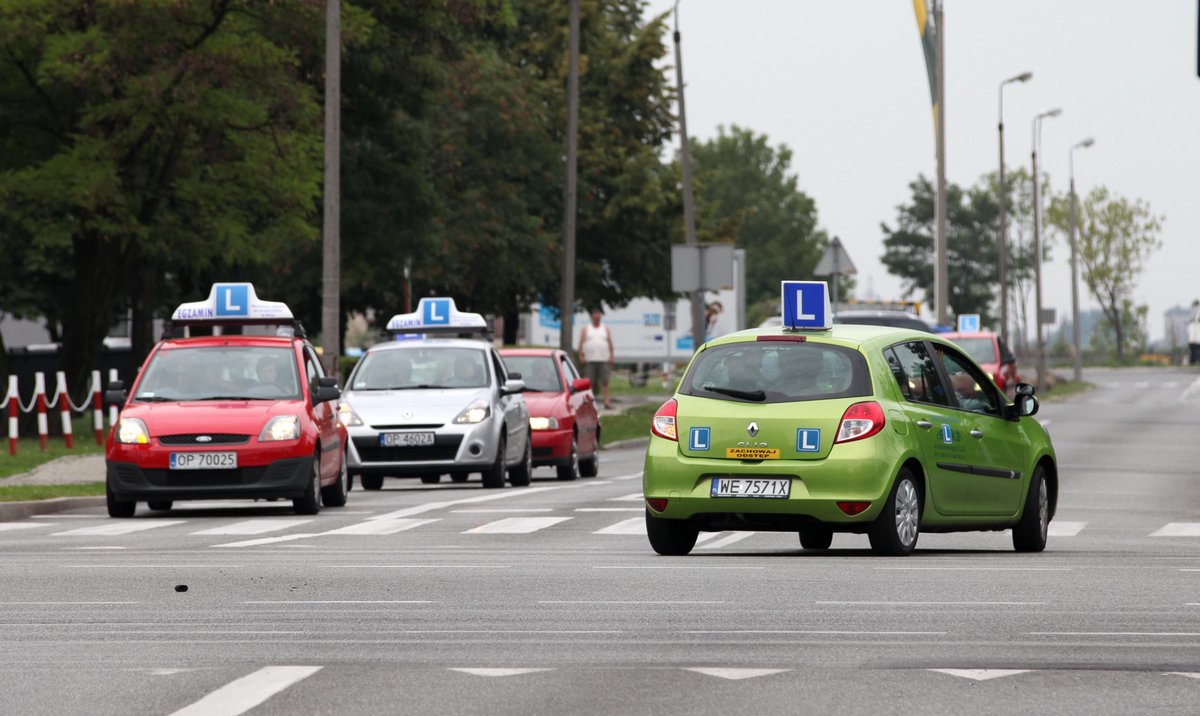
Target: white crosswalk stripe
{"points": [[517, 525], [117, 528], [631, 526], [14, 526], [1178, 529], [724, 541], [252, 527], [1063, 528], [379, 527]]}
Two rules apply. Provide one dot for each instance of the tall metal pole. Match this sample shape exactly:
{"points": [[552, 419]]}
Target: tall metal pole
{"points": [[941, 286], [1075, 339], [689, 208], [331, 312], [567, 306], [1037, 247], [1003, 243]]}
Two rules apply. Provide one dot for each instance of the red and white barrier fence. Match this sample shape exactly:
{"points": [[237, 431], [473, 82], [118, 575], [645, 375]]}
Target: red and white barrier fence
{"points": [[62, 401]]}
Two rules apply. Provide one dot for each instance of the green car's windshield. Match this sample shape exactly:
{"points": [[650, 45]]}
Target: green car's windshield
{"points": [[777, 372], [230, 372], [421, 368], [981, 350]]}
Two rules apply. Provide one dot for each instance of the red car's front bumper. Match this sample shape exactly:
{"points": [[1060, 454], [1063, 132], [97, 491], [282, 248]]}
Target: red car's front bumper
{"points": [[552, 447]]}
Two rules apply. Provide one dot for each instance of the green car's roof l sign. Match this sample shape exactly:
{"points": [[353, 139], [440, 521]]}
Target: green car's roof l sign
{"points": [[805, 305]]}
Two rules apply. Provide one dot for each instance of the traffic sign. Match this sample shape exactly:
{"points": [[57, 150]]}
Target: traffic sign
{"points": [[968, 323], [835, 261], [806, 305]]}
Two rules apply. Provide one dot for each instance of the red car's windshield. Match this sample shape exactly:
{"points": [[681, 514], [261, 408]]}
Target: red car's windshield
{"points": [[220, 372], [538, 372], [981, 350]]}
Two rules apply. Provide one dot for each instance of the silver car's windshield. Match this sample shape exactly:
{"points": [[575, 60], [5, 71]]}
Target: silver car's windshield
{"points": [[220, 373], [424, 367]]}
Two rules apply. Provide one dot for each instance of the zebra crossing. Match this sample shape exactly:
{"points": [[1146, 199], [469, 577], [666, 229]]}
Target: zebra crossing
{"points": [[271, 530]]}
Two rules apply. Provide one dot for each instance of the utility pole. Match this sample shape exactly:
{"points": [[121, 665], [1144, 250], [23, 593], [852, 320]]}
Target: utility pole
{"points": [[941, 286], [1037, 246], [567, 307], [1075, 337], [1023, 77], [331, 312], [689, 209]]}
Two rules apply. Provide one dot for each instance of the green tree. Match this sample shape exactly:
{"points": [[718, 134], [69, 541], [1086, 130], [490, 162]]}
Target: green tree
{"points": [[149, 140], [971, 246], [1115, 237], [746, 193]]}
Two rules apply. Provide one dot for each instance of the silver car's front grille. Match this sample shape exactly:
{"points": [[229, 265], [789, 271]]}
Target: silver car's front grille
{"points": [[406, 426]]}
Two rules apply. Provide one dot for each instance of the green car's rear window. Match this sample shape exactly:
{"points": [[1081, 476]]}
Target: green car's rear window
{"points": [[777, 372]]}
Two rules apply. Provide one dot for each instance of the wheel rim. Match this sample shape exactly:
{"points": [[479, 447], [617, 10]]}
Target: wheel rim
{"points": [[316, 482], [1043, 509], [907, 513], [344, 477]]}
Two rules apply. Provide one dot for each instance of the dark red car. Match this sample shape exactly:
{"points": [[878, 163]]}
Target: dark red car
{"points": [[992, 354], [562, 411]]}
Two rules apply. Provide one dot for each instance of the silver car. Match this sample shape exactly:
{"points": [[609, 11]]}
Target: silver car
{"points": [[431, 406]]}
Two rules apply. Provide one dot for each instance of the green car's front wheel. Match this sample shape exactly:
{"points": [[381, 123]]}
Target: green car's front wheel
{"points": [[1029, 535], [894, 533], [670, 537]]}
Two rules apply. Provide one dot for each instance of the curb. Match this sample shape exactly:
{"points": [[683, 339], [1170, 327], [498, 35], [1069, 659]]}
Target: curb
{"points": [[11, 511], [630, 443]]}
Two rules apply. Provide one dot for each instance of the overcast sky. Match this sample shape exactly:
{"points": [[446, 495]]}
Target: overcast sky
{"points": [[844, 85]]}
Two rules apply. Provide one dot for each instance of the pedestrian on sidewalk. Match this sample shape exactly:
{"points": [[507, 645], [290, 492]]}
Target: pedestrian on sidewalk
{"points": [[597, 354]]}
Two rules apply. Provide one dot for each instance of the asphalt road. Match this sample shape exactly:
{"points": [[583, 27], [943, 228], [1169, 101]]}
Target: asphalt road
{"points": [[548, 600]]}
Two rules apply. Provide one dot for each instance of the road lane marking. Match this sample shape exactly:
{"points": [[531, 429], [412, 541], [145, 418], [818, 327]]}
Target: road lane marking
{"points": [[62, 604], [240, 696], [814, 632], [674, 566], [1191, 390], [504, 510], [934, 604], [609, 509], [631, 526], [602, 601], [153, 566], [630, 476], [499, 672], [413, 566], [975, 569], [378, 527], [517, 525], [1114, 633], [982, 674], [1177, 529], [251, 527], [11, 526], [734, 674], [430, 506], [343, 601], [1060, 528], [725, 541], [635, 497], [267, 540], [1189, 674], [100, 547], [118, 528]]}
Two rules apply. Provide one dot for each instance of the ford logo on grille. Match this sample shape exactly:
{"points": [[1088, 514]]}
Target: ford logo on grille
{"points": [[204, 438]]}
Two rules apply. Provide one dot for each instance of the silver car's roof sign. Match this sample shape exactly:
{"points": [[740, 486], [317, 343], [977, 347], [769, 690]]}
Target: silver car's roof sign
{"points": [[437, 315]]}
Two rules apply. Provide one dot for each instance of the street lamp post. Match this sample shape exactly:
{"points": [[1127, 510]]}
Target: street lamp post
{"points": [[1003, 243], [1037, 246], [1078, 363], [689, 209]]}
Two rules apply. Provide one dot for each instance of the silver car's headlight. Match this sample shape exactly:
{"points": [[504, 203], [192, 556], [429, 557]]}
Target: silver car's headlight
{"points": [[543, 423], [280, 427], [348, 417], [132, 431], [476, 412]]}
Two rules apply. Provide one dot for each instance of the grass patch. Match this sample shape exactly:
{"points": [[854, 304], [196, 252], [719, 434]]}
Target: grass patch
{"points": [[633, 423], [17, 493], [1062, 391], [619, 384], [30, 456]]}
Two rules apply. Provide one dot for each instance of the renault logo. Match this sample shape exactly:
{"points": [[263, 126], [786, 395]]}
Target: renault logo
{"points": [[204, 438], [407, 415], [752, 428]]}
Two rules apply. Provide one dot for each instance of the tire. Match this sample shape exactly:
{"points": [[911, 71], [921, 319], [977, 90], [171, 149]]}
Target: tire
{"points": [[310, 503], [335, 494], [816, 538], [894, 533], [570, 471], [371, 482], [522, 474], [1029, 534], [431, 479], [493, 476], [160, 505], [459, 476], [119, 508], [673, 538], [590, 465]]}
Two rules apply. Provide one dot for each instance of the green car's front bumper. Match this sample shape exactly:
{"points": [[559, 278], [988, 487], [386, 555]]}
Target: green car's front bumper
{"points": [[860, 471]]}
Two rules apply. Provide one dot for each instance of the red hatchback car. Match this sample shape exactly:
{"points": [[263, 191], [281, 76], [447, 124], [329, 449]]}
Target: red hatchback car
{"points": [[228, 416], [562, 411], [992, 354]]}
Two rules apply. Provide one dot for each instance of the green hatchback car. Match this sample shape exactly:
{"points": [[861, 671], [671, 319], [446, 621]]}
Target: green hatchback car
{"points": [[852, 428]]}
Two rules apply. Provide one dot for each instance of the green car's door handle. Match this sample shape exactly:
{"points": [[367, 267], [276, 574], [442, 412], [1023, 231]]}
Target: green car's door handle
{"points": [[924, 424], [976, 433]]}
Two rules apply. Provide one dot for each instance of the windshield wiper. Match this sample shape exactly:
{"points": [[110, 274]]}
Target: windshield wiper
{"points": [[154, 399], [735, 393], [229, 397], [423, 386]]}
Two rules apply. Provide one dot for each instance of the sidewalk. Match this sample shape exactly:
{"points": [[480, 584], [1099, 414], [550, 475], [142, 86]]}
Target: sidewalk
{"points": [[63, 471]]}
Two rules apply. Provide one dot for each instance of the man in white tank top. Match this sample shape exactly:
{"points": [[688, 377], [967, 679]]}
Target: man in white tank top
{"points": [[596, 353]]}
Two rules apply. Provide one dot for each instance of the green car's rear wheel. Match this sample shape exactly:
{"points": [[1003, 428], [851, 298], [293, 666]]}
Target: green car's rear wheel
{"points": [[894, 533], [670, 537]]}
